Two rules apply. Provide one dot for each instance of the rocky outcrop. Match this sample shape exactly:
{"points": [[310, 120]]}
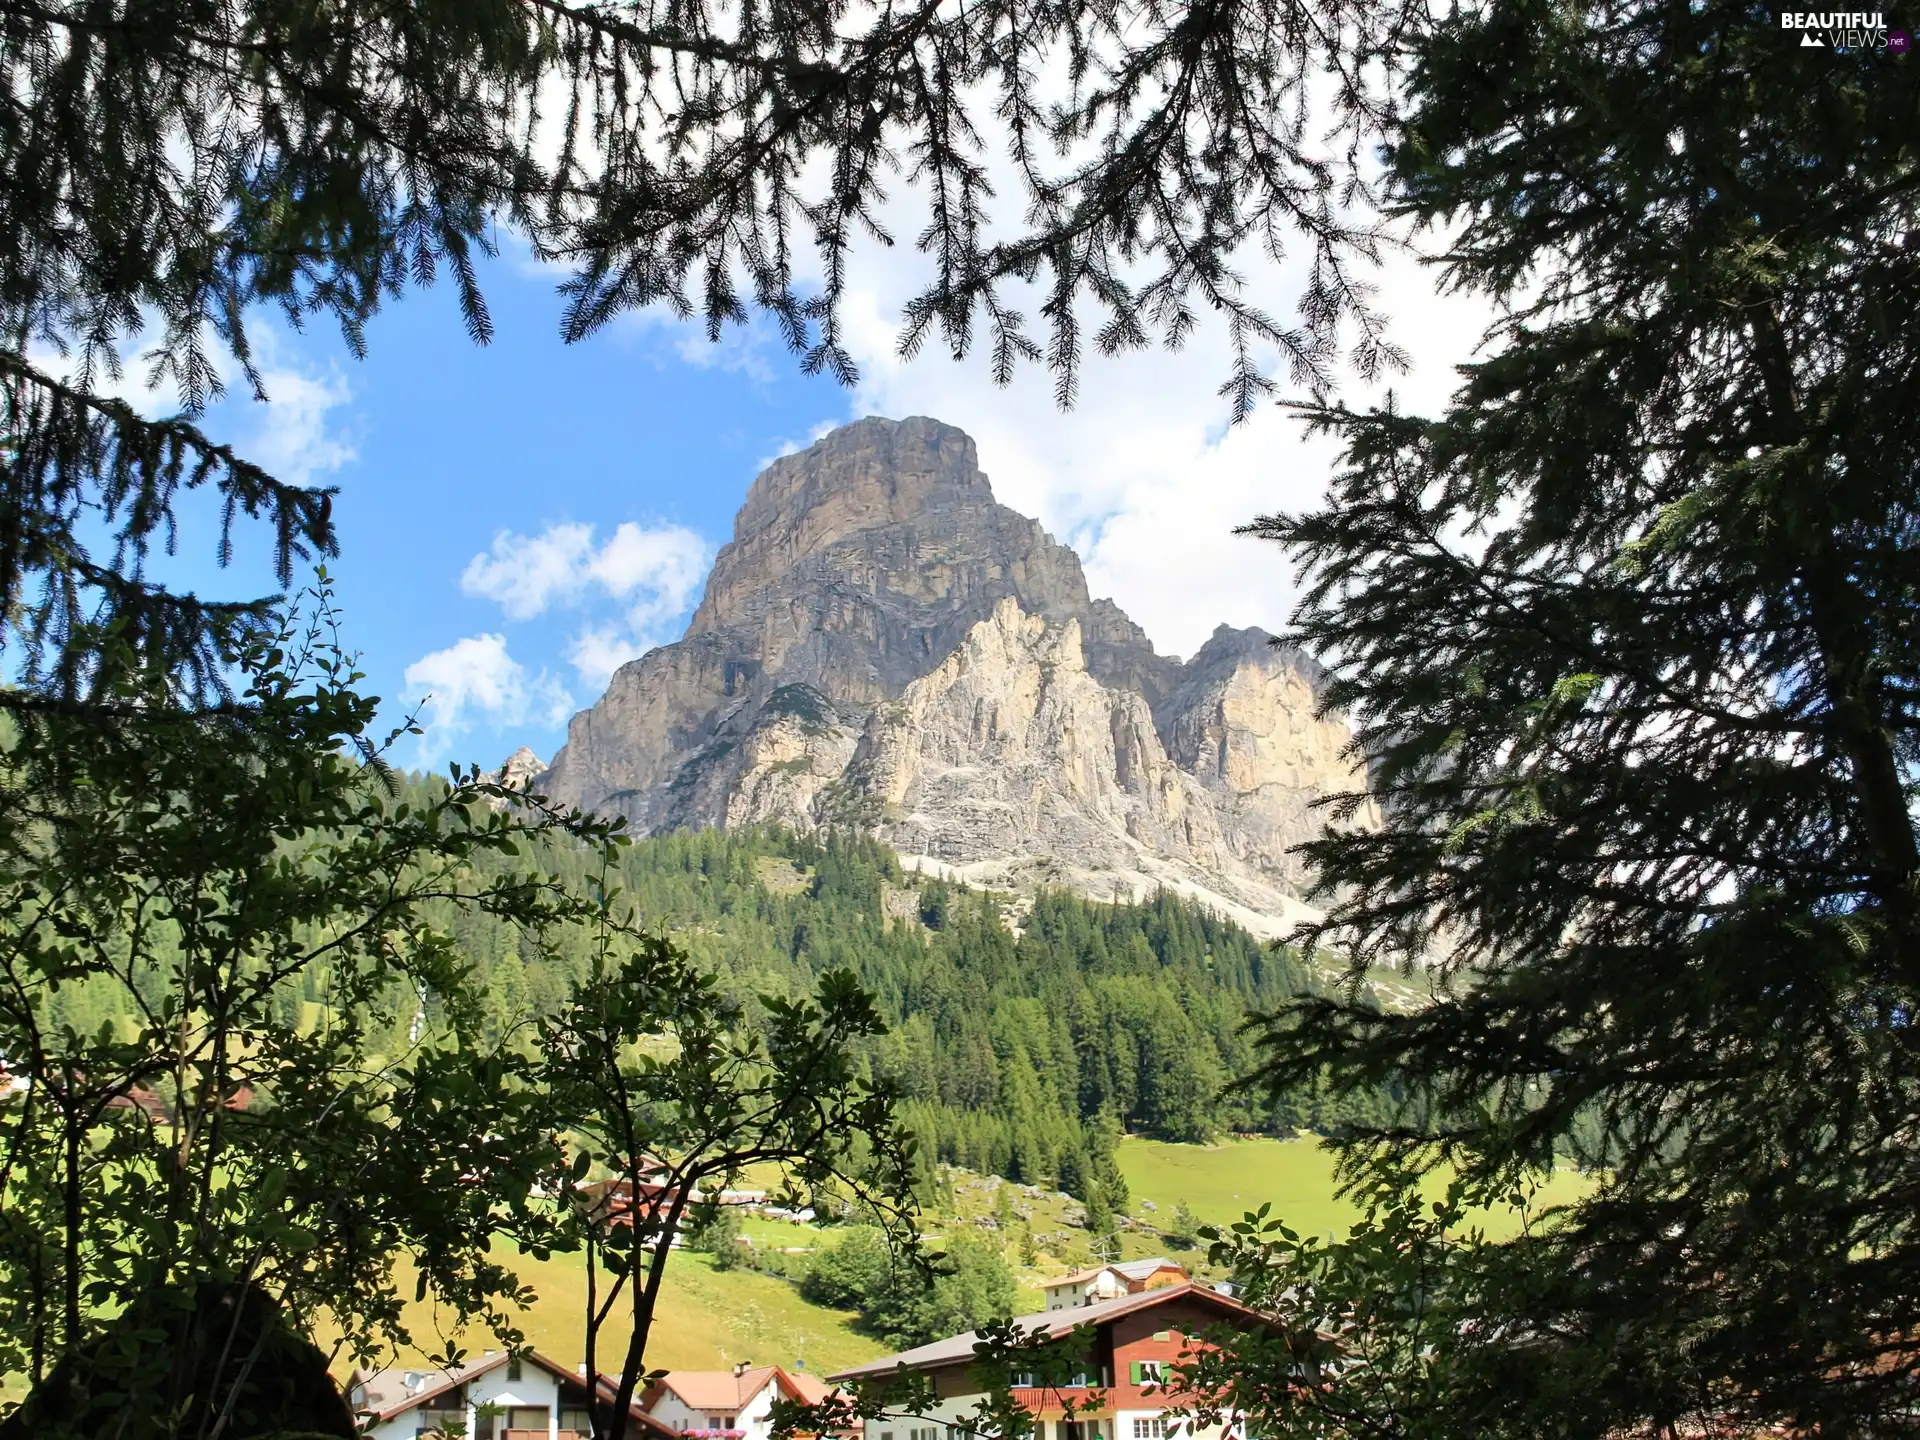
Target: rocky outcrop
{"points": [[882, 643], [519, 768], [1010, 763], [1243, 722]]}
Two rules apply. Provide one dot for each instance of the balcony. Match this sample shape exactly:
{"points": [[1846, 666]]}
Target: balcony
{"points": [[1050, 1401]]}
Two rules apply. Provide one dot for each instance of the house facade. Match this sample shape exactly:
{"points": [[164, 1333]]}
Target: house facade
{"points": [[1137, 1339], [495, 1396], [734, 1404], [1110, 1282], [618, 1202]]}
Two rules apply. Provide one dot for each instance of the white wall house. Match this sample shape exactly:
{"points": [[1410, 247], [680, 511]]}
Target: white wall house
{"points": [[1120, 1394], [734, 1404], [1110, 1282], [495, 1396]]}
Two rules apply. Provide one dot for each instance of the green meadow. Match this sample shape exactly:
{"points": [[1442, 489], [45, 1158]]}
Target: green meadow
{"points": [[707, 1320], [1220, 1183], [711, 1319]]}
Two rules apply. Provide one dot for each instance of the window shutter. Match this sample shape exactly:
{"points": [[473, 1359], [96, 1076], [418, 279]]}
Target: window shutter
{"points": [[1135, 1370]]}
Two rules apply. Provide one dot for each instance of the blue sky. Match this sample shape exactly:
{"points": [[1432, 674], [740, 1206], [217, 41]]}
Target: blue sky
{"points": [[515, 519], [512, 499]]}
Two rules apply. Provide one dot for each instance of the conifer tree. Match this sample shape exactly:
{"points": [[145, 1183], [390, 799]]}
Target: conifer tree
{"points": [[1630, 630], [170, 168]]}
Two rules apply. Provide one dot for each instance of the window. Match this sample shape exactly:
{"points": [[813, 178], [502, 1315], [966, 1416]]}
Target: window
{"points": [[1163, 1334], [1023, 1378], [515, 1369], [924, 1432], [727, 1424], [1149, 1429], [1147, 1372]]}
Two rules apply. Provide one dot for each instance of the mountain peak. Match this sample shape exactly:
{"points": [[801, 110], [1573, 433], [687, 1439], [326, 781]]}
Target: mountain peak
{"points": [[518, 771], [873, 575], [880, 483], [872, 468]]}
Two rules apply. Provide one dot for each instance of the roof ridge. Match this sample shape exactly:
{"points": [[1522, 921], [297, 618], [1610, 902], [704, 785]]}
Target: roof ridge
{"points": [[1051, 1322], [485, 1362]]}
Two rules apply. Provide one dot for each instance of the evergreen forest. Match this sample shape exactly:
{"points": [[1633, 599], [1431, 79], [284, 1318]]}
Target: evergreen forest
{"points": [[1022, 1044]]}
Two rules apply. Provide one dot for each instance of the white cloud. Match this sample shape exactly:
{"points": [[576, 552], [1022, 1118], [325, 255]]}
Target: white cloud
{"points": [[1143, 476], [473, 682], [294, 438], [656, 570], [600, 650], [661, 568], [293, 435], [751, 350], [525, 574]]}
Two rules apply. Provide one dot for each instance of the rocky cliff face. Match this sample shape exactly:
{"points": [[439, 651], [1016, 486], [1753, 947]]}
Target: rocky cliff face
{"points": [[519, 769], [884, 644]]}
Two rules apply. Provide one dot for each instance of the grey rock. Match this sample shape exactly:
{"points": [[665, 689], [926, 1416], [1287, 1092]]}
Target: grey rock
{"points": [[883, 644], [520, 767]]}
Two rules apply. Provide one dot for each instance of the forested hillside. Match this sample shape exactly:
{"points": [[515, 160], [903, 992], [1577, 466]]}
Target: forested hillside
{"points": [[1025, 1054], [1023, 1049]]}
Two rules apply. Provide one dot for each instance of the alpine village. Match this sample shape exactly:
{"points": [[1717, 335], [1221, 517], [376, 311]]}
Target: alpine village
{"points": [[1145, 720]]}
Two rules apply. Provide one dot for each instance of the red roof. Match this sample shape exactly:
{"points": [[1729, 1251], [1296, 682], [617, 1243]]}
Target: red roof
{"points": [[615, 1202], [139, 1097], [810, 1389], [1052, 1323], [732, 1390]]}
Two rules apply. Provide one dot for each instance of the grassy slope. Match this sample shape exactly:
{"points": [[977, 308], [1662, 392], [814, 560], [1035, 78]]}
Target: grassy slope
{"points": [[711, 1319], [1220, 1183], [707, 1320]]}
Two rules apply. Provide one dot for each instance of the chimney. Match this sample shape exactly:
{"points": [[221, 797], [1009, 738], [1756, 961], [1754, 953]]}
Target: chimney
{"points": [[739, 1368]]}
